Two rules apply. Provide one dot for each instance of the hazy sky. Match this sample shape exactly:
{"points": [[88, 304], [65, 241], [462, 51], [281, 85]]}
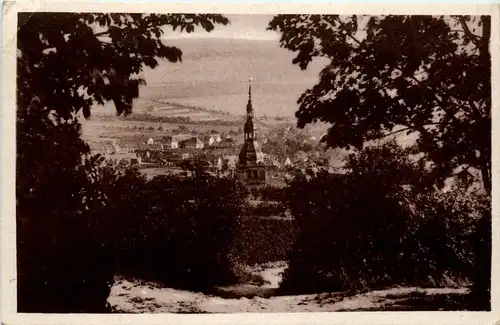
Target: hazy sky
{"points": [[251, 27], [216, 66]]}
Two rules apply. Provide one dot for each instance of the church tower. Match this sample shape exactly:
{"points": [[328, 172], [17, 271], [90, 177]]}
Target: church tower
{"points": [[251, 172], [248, 155]]}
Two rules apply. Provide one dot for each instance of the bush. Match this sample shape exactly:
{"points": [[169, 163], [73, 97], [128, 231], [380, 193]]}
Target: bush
{"points": [[74, 218], [177, 230], [378, 225], [262, 240], [268, 193], [266, 209]]}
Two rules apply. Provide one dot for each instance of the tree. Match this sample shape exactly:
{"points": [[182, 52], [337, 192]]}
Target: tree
{"points": [[68, 62], [367, 228], [62, 263], [196, 166], [177, 230], [426, 75], [73, 60]]}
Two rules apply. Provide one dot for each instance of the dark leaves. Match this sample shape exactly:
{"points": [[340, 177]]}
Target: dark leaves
{"points": [[368, 228], [391, 71], [62, 54]]}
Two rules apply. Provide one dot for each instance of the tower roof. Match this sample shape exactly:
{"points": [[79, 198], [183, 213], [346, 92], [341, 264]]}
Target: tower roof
{"points": [[249, 104], [248, 154]]}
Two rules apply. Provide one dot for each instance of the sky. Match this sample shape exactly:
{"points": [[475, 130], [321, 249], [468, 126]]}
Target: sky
{"points": [[216, 66], [249, 27]]}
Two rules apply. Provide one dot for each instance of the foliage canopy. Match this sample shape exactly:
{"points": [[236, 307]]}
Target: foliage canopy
{"points": [[73, 60], [66, 63], [428, 75]]}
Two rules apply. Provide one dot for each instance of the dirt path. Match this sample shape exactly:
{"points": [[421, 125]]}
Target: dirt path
{"points": [[146, 297], [130, 297]]}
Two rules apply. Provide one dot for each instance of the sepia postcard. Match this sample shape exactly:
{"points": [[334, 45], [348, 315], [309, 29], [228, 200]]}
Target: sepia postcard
{"points": [[249, 163]]}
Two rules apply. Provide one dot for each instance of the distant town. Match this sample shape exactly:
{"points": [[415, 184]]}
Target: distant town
{"points": [[279, 150]]}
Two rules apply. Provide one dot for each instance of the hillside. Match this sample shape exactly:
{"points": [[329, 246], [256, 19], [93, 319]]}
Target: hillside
{"points": [[214, 74], [211, 83]]}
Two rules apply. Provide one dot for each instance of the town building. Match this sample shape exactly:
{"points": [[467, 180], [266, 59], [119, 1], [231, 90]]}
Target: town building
{"points": [[231, 161], [192, 143], [169, 142], [214, 139], [249, 170], [261, 157], [227, 143]]}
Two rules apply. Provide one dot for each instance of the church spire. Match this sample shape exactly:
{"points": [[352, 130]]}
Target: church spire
{"points": [[252, 172], [249, 105], [248, 153]]}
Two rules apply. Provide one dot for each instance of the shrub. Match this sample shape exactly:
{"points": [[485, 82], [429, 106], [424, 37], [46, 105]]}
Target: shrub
{"points": [[261, 240], [478, 241], [268, 193], [73, 218], [178, 229], [378, 225], [266, 209]]}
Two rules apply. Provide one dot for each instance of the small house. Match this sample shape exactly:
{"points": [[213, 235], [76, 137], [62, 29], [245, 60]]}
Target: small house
{"points": [[231, 161], [288, 162], [261, 157], [226, 144], [215, 139], [192, 143], [169, 142]]}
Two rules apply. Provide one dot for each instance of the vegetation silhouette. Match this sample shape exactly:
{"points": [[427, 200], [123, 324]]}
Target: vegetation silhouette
{"points": [[425, 76], [429, 75], [68, 62], [369, 229]]}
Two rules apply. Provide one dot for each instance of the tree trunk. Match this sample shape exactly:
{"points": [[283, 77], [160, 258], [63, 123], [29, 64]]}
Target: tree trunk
{"points": [[486, 176], [485, 53], [486, 22]]}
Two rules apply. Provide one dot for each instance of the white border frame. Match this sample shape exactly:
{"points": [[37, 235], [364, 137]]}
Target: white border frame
{"points": [[8, 161]]}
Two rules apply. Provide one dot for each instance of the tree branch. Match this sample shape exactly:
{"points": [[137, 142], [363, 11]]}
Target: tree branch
{"points": [[395, 132], [475, 38], [464, 168], [341, 23], [440, 100]]}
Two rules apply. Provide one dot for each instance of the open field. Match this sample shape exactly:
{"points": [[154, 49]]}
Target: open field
{"points": [[131, 132]]}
